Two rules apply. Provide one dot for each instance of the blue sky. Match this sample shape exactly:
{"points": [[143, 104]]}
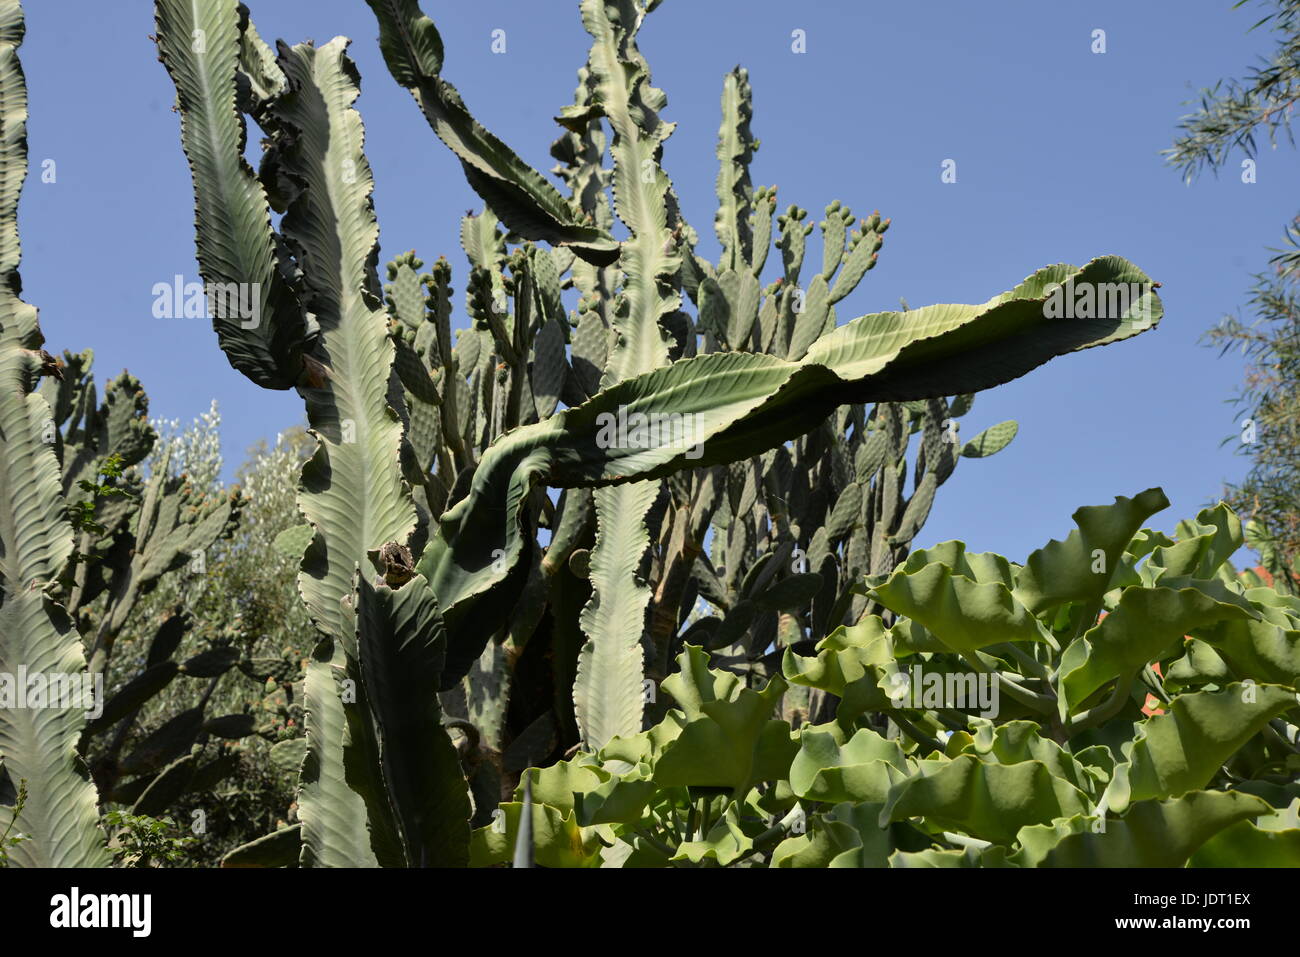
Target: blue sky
{"points": [[1057, 152]]}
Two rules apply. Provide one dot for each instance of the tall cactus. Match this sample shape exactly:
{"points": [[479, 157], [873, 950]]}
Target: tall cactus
{"points": [[434, 458], [354, 493], [38, 746], [608, 693]]}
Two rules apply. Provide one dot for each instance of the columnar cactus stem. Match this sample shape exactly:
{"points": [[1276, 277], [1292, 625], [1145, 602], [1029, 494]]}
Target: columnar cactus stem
{"points": [[38, 745]]}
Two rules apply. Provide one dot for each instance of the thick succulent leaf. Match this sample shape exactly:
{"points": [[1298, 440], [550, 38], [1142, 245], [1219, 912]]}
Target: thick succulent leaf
{"points": [[1252, 844], [400, 649], [258, 66], [200, 45], [563, 784], [744, 404], [1146, 624], [725, 843], [986, 801], [969, 857], [616, 801], [863, 769], [1073, 570], [176, 523], [132, 695], [558, 841], [166, 787], [1256, 649], [1151, 834], [164, 745], [1202, 546], [723, 737], [38, 745], [982, 567], [854, 663], [549, 366], [521, 196], [864, 248], [847, 835], [1014, 741], [334, 816], [610, 670], [1183, 749], [965, 615]]}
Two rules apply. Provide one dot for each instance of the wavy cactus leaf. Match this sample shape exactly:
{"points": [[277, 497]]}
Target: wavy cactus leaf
{"points": [[200, 44], [744, 404], [257, 65], [1258, 649], [1244, 844], [728, 738], [965, 615], [560, 785], [1082, 567], [1146, 624], [991, 802], [611, 663], [864, 768], [616, 801], [524, 200], [37, 745], [1151, 834], [1015, 741], [849, 664], [1183, 749], [845, 836], [1202, 547], [725, 843]]}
